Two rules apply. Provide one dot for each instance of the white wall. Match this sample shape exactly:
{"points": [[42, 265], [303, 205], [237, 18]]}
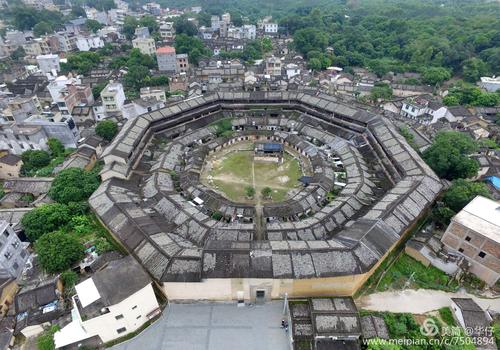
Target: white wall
{"points": [[105, 326]]}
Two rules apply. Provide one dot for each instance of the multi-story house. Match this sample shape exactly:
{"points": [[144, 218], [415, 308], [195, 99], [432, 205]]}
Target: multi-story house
{"points": [[167, 59], [474, 233], [145, 45], [167, 31], [271, 28], [182, 63], [86, 43], [37, 47], [48, 63], [141, 32], [113, 97], [149, 92], [249, 31], [114, 302], [273, 66], [13, 253], [67, 42], [67, 93]]}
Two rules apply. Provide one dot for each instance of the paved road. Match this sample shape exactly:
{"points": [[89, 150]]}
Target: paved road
{"points": [[214, 327], [419, 301]]}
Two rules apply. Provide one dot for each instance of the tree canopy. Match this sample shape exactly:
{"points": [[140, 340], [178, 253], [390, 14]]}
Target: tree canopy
{"points": [[45, 219], [448, 155], [93, 25], [57, 251], [461, 192], [107, 129], [34, 159], [192, 46], [73, 185]]}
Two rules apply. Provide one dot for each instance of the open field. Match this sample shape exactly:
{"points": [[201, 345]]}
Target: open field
{"points": [[232, 170]]}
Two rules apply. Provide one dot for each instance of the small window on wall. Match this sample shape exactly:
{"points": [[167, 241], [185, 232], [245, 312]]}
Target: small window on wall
{"points": [[121, 330], [461, 250], [482, 254], [119, 317], [467, 238]]}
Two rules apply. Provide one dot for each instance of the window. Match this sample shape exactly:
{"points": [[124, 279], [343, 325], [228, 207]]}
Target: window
{"points": [[482, 254], [15, 266], [6, 233], [121, 330], [15, 244], [119, 317], [461, 250], [134, 307], [138, 317], [467, 238], [7, 255]]}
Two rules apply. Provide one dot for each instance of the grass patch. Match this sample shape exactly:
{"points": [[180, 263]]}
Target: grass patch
{"points": [[234, 171], [447, 316], [407, 272]]}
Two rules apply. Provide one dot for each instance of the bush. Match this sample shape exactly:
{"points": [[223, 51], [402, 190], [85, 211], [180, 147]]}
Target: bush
{"points": [[45, 219], [56, 147], [102, 245], [447, 316], [69, 279], [35, 159], [73, 185], [267, 192], [250, 191], [461, 192], [46, 340], [58, 251], [107, 129]]}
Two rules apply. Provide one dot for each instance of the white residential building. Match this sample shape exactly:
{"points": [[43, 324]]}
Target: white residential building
{"points": [[271, 28], [113, 97], [112, 303], [490, 84], [149, 92], [145, 45], [249, 31], [49, 64], [167, 31], [86, 43], [13, 253], [292, 70]]}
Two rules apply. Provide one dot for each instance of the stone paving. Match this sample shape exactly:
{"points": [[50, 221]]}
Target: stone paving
{"points": [[214, 327]]}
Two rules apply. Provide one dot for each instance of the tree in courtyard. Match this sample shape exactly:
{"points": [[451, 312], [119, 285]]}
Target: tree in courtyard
{"points": [[56, 147], [461, 192], [448, 155], [107, 129], [35, 159], [45, 219], [267, 192], [93, 25], [73, 185], [250, 191], [42, 28], [58, 251], [435, 75]]}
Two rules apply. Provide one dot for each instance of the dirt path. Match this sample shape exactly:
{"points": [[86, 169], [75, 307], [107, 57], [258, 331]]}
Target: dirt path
{"points": [[259, 210], [419, 301]]}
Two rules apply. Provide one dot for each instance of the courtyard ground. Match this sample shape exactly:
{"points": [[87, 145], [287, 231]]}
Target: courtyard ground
{"points": [[233, 169], [214, 326]]}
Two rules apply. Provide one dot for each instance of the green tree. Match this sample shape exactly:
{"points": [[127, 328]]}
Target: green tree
{"points": [[73, 185], [58, 251], [93, 25], [81, 62], [184, 26], [44, 219], [309, 39], [107, 129], [250, 191], [473, 69], [448, 155], [56, 147], [97, 89], [150, 22], [192, 46], [129, 25], [42, 28], [135, 77], [435, 75], [18, 53], [267, 192], [314, 64], [69, 279], [34, 159], [381, 91], [461, 192], [442, 215], [45, 341], [78, 11]]}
